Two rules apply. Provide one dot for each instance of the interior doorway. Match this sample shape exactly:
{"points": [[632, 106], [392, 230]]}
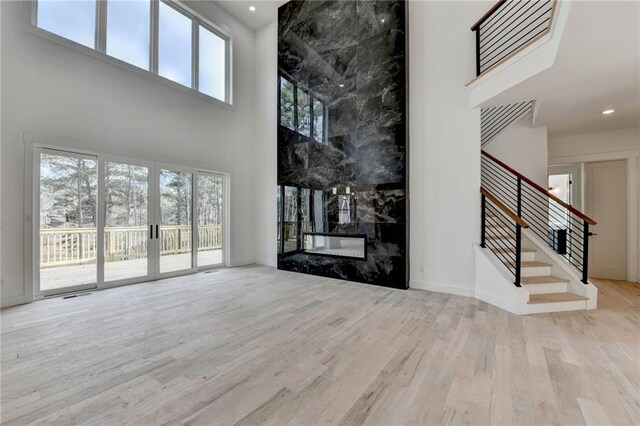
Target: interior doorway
{"points": [[606, 202], [103, 221]]}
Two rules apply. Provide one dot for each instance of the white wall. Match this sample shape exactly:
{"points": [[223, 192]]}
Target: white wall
{"points": [[266, 144], [85, 103], [524, 148], [621, 144], [594, 144], [444, 152]]}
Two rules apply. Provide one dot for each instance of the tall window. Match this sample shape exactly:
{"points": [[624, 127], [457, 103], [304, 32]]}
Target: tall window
{"points": [[132, 30], [75, 20], [212, 63], [174, 45], [129, 31]]}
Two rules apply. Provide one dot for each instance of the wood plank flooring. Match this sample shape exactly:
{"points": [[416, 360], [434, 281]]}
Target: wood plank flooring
{"points": [[253, 345]]}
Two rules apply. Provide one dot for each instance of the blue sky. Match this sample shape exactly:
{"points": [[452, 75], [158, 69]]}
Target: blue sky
{"points": [[128, 31], [128, 36]]}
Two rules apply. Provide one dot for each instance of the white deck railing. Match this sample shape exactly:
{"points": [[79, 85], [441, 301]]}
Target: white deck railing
{"points": [[73, 246]]}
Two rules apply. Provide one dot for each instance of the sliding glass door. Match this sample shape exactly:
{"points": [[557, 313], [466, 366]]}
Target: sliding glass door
{"points": [[67, 237], [209, 217], [126, 221], [105, 221], [175, 237]]}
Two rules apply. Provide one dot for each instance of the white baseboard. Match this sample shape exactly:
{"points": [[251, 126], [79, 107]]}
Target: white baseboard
{"points": [[241, 262], [12, 301], [457, 290], [505, 304]]}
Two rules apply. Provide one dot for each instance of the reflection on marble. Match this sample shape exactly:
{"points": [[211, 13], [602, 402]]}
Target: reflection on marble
{"points": [[351, 56], [335, 245]]}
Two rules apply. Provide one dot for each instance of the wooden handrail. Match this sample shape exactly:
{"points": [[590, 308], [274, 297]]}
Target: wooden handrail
{"points": [[540, 189], [489, 13], [523, 223]]}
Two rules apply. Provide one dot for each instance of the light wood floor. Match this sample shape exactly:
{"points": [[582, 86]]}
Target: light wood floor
{"points": [[254, 345]]}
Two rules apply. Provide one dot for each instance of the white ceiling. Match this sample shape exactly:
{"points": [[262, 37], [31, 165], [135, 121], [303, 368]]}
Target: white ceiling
{"points": [[597, 68], [266, 11]]}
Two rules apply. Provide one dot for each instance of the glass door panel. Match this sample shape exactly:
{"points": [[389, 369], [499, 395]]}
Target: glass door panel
{"points": [[175, 243], [209, 219], [68, 237], [126, 223]]}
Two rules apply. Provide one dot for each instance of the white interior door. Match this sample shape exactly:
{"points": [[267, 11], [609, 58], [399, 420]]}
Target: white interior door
{"points": [[606, 202]]}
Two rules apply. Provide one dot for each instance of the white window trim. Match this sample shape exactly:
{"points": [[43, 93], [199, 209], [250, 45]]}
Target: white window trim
{"points": [[99, 52]]}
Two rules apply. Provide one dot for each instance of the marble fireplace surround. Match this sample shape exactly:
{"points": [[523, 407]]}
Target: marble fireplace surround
{"points": [[342, 138]]}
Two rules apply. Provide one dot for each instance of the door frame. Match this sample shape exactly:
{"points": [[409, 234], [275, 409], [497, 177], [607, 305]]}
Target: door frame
{"points": [[156, 208], [633, 197], [36, 222], [225, 206], [151, 195], [623, 176], [33, 146]]}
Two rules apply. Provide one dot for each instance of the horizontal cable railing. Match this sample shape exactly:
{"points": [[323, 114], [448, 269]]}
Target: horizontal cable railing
{"points": [[502, 232], [562, 226], [74, 246], [508, 27], [494, 120]]}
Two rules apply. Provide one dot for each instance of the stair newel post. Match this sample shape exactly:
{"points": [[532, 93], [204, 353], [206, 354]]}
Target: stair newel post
{"points": [[483, 225], [518, 253], [585, 252], [519, 234]]}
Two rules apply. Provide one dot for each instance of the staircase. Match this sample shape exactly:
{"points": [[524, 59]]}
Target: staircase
{"points": [[550, 293], [538, 243], [534, 250]]}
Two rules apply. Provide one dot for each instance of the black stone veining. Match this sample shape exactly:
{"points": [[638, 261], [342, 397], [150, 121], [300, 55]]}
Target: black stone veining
{"points": [[352, 56]]}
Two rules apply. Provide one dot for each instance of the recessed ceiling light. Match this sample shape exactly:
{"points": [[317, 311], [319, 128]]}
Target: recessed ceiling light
{"points": [[341, 85], [252, 8], [608, 111], [383, 20]]}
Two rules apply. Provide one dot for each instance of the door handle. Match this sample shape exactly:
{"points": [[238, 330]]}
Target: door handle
{"points": [[157, 231], [591, 234], [151, 232]]}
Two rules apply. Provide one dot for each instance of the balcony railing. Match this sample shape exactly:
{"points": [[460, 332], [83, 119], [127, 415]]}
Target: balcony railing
{"points": [[509, 27], [74, 246]]}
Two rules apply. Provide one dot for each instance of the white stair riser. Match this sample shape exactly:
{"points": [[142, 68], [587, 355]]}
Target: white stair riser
{"points": [[535, 271], [546, 288], [526, 256], [539, 308]]}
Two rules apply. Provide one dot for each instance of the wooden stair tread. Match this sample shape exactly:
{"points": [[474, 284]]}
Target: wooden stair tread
{"points": [[555, 298], [548, 279]]}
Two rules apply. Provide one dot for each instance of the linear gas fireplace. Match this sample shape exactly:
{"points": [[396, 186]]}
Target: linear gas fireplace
{"points": [[342, 140], [336, 245]]}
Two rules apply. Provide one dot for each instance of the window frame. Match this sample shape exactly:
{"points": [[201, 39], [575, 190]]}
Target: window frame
{"points": [[99, 51]]}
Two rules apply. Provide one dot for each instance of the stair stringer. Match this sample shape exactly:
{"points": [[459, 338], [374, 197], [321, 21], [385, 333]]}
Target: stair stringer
{"points": [[494, 283], [533, 60]]}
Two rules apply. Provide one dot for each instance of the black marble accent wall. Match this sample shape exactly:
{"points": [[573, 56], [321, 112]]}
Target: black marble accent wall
{"points": [[342, 139]]}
